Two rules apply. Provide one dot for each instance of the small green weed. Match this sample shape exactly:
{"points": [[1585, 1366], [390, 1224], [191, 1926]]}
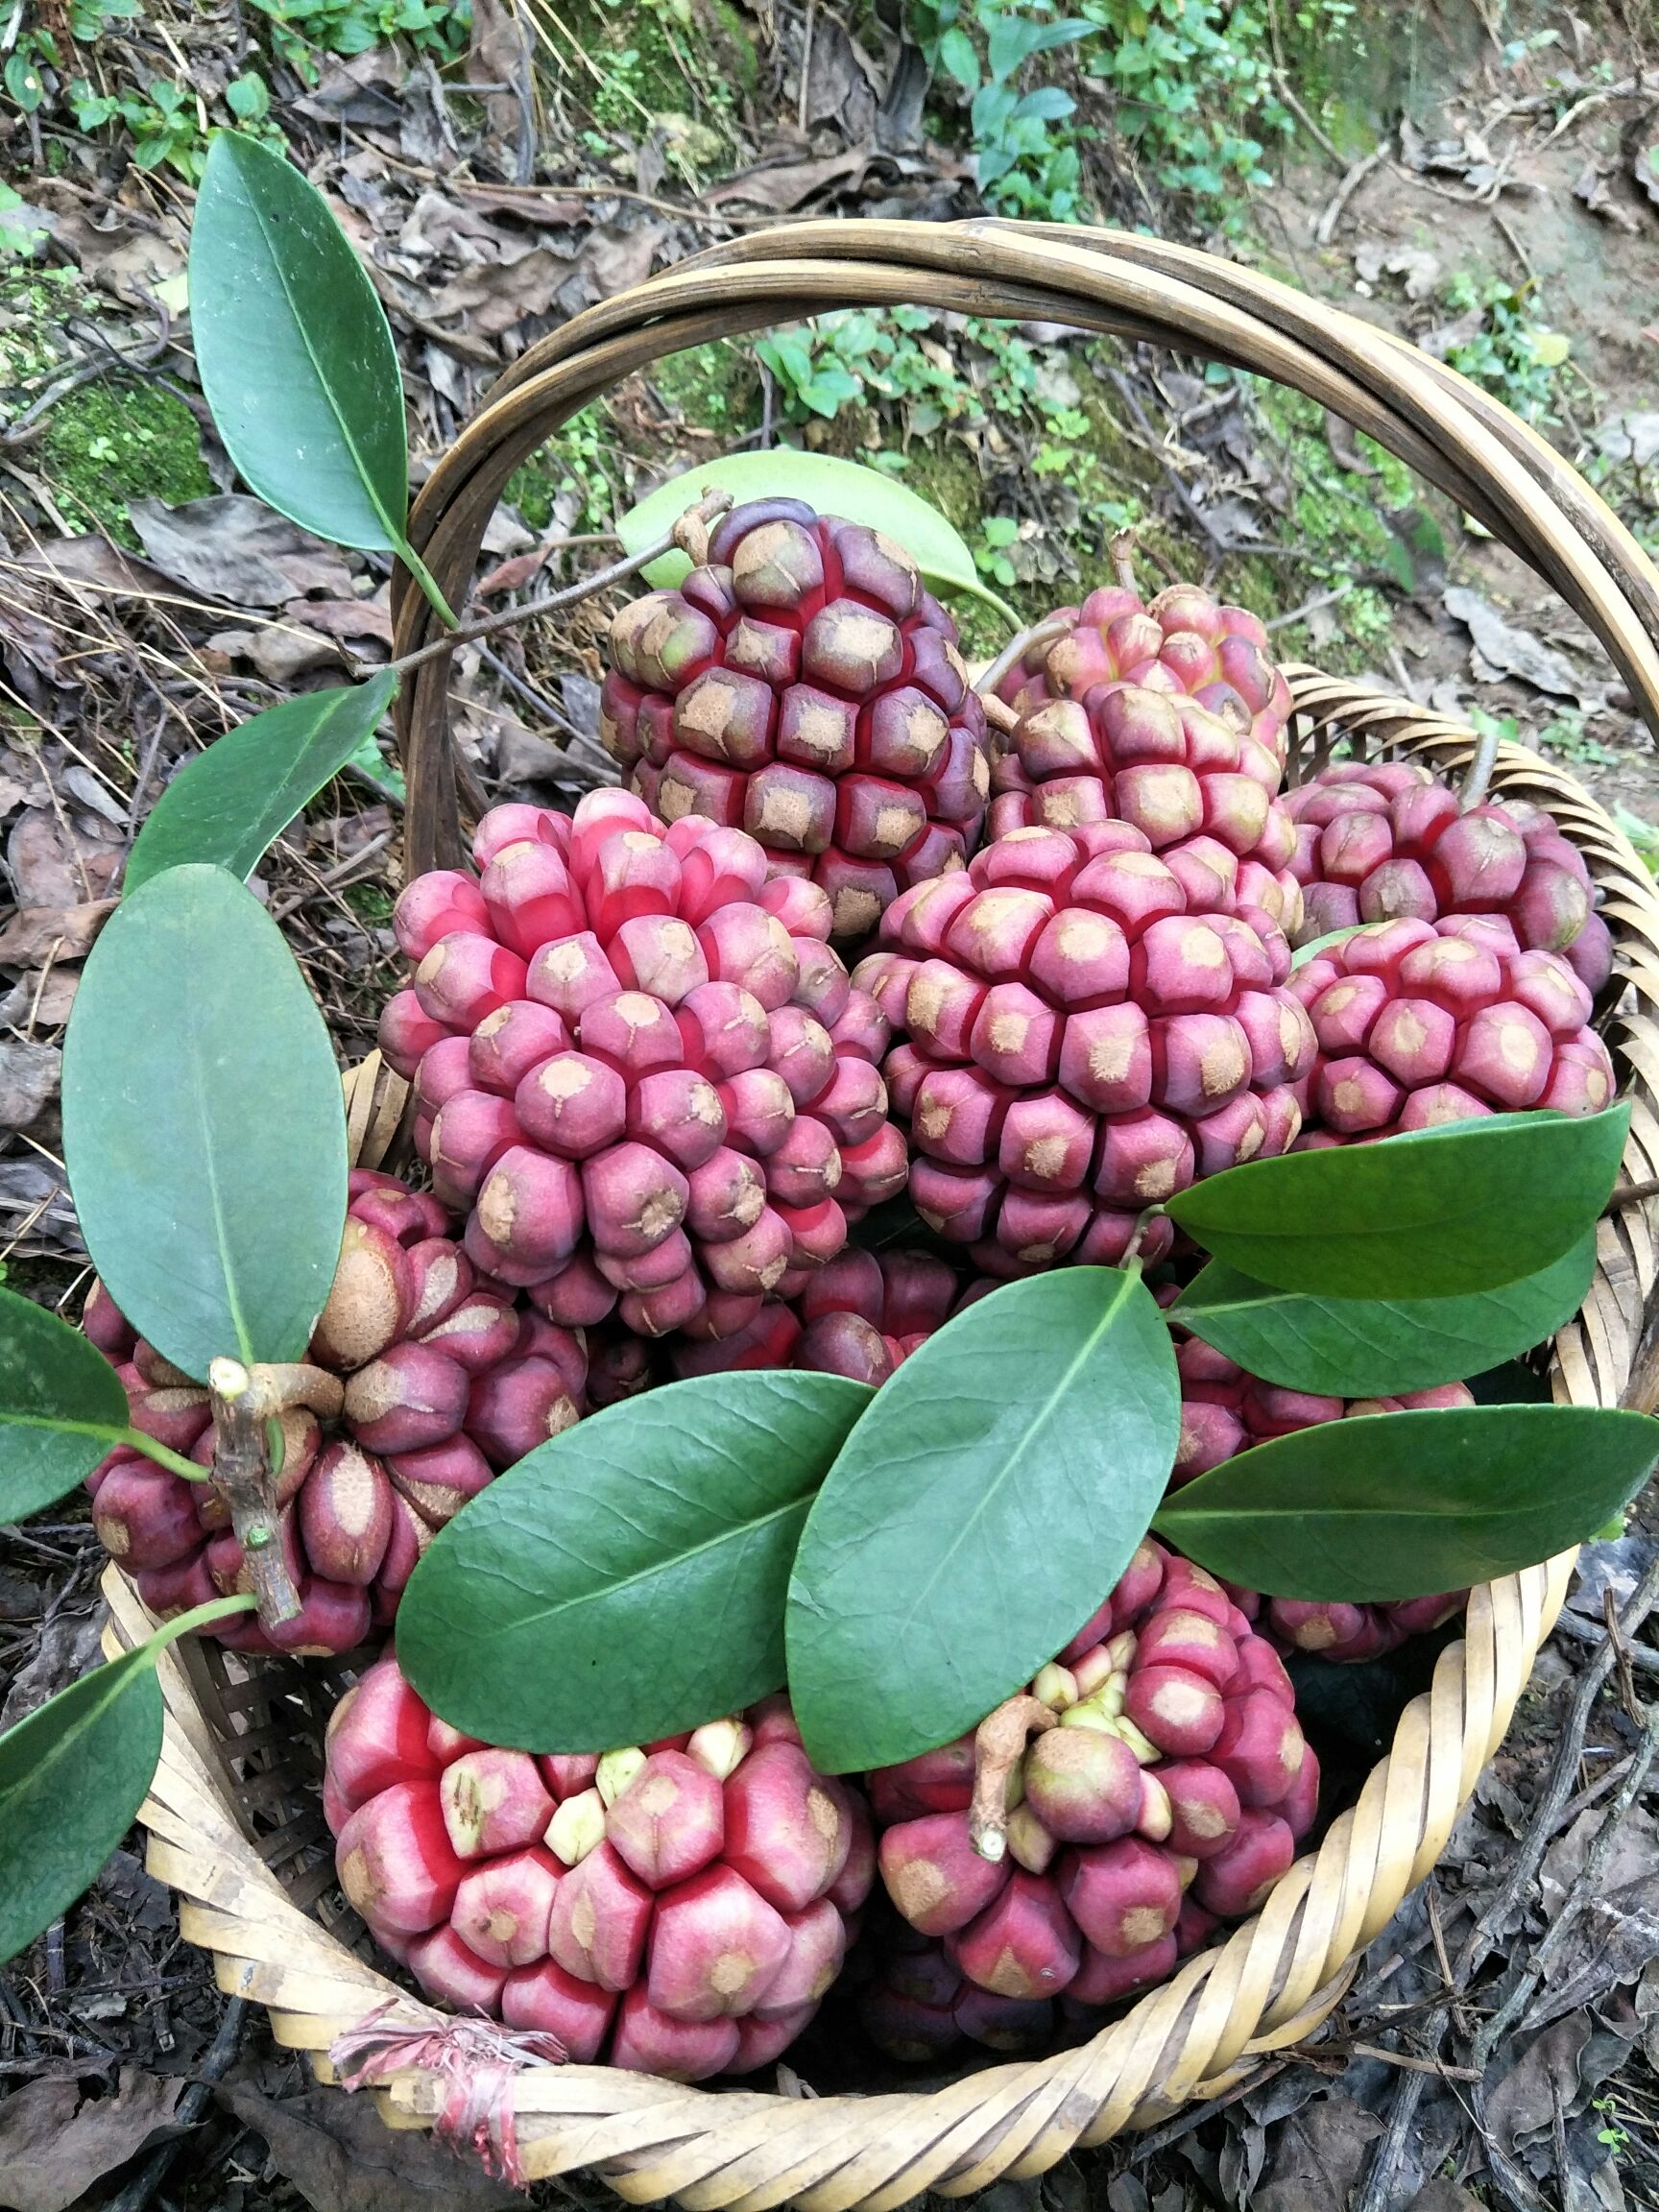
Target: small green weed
{"points": [[1615, 2137], [301, 30], [1514, 354], [1022, 164]]}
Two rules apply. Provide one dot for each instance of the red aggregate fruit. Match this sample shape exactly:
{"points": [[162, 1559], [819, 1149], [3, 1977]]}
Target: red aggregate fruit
{"points": [[1080, 1041], [677, 1101], [1421, 1024], [804, 687], [446, 1381], [1224, 1412], [681, 1909], [1174, 1758], [1385, 841], [1170, 716]]}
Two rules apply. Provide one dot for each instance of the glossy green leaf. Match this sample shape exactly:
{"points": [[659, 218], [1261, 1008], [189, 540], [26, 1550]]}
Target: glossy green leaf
{"points": [[204, 1126], [1467, 1207], [831, 486], [72, 1777], [979, 1513], [235, 800], [626, 1580], [62, 1409], [293, 348], [1376, 1348], [1402, 1505], [295, 352]]}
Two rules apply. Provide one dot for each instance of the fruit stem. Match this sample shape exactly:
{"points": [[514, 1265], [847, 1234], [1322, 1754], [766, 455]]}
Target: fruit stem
{"points": [[1123, 550], [247, 1401], [682, 537], [1130, 1263], [1481, 763], [164, 1455], [998, 1745], [1000, 714], [1016, 650]]}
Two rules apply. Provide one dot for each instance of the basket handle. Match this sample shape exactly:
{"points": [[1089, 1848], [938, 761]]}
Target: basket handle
{"points": [[1459, 439]]}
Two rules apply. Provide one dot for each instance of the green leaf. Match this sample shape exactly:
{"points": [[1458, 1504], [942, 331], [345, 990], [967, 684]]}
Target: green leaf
{"points": [[1404, 1504], [233, 800], [295, 355], [61, 1405], [204, 1126], [979, 1513], [957, 57], [1376, 1348], [1435, 1214], [831, 486], [73, 1776], [626, 1580]]}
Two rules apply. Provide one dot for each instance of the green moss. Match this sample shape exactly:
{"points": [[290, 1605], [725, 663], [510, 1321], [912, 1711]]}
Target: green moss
{"points": [[714, 387], [111, 441]]}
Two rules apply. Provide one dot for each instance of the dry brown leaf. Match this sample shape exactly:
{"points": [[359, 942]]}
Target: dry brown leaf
{"points": [[49, 866], [36, 934], [29, 1079], [615, 258], [281, 654], [342, 2158], [54, 2143], [343, 618], [231, 546], [502, 52], [1318, 2156], [786, 187], [94, 562], [494, 297]]}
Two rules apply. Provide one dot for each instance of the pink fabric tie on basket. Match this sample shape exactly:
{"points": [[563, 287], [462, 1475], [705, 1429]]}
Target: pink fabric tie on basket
{"points": [[473, 2058]]}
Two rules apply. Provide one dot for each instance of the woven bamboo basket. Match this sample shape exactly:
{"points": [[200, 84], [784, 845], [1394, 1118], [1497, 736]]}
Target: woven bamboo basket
{"points": [[234, 1818]]}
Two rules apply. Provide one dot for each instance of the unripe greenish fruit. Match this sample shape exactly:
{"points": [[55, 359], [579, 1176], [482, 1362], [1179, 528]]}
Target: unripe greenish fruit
{"points": [[577, 1827], [616, 1769], [720, 1745]]}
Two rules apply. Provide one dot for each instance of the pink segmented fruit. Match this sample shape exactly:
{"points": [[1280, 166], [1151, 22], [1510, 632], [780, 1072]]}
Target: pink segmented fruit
{"points": [[1419, 1023], [803, 686], [1385, 841], [1078, 1042], [655, 1083], [1170, 1794], [448, 1380], [680, 1909], [1171, 716]]}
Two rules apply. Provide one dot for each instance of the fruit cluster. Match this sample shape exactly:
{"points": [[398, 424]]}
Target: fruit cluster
{"points": [[680, 1909], [1169, 716], [803, 686], [446, 1382], [1079, 1042], [1169, 1796], [639, 1066], [1383, 841], [1424, 1023], [861, 1317]]}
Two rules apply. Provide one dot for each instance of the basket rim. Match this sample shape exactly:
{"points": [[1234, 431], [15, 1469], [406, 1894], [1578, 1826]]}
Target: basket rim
{"points": [[1273, 1980]]}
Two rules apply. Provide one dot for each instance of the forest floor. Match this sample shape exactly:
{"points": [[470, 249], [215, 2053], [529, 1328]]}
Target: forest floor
{"points": [[1482, 179]]}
